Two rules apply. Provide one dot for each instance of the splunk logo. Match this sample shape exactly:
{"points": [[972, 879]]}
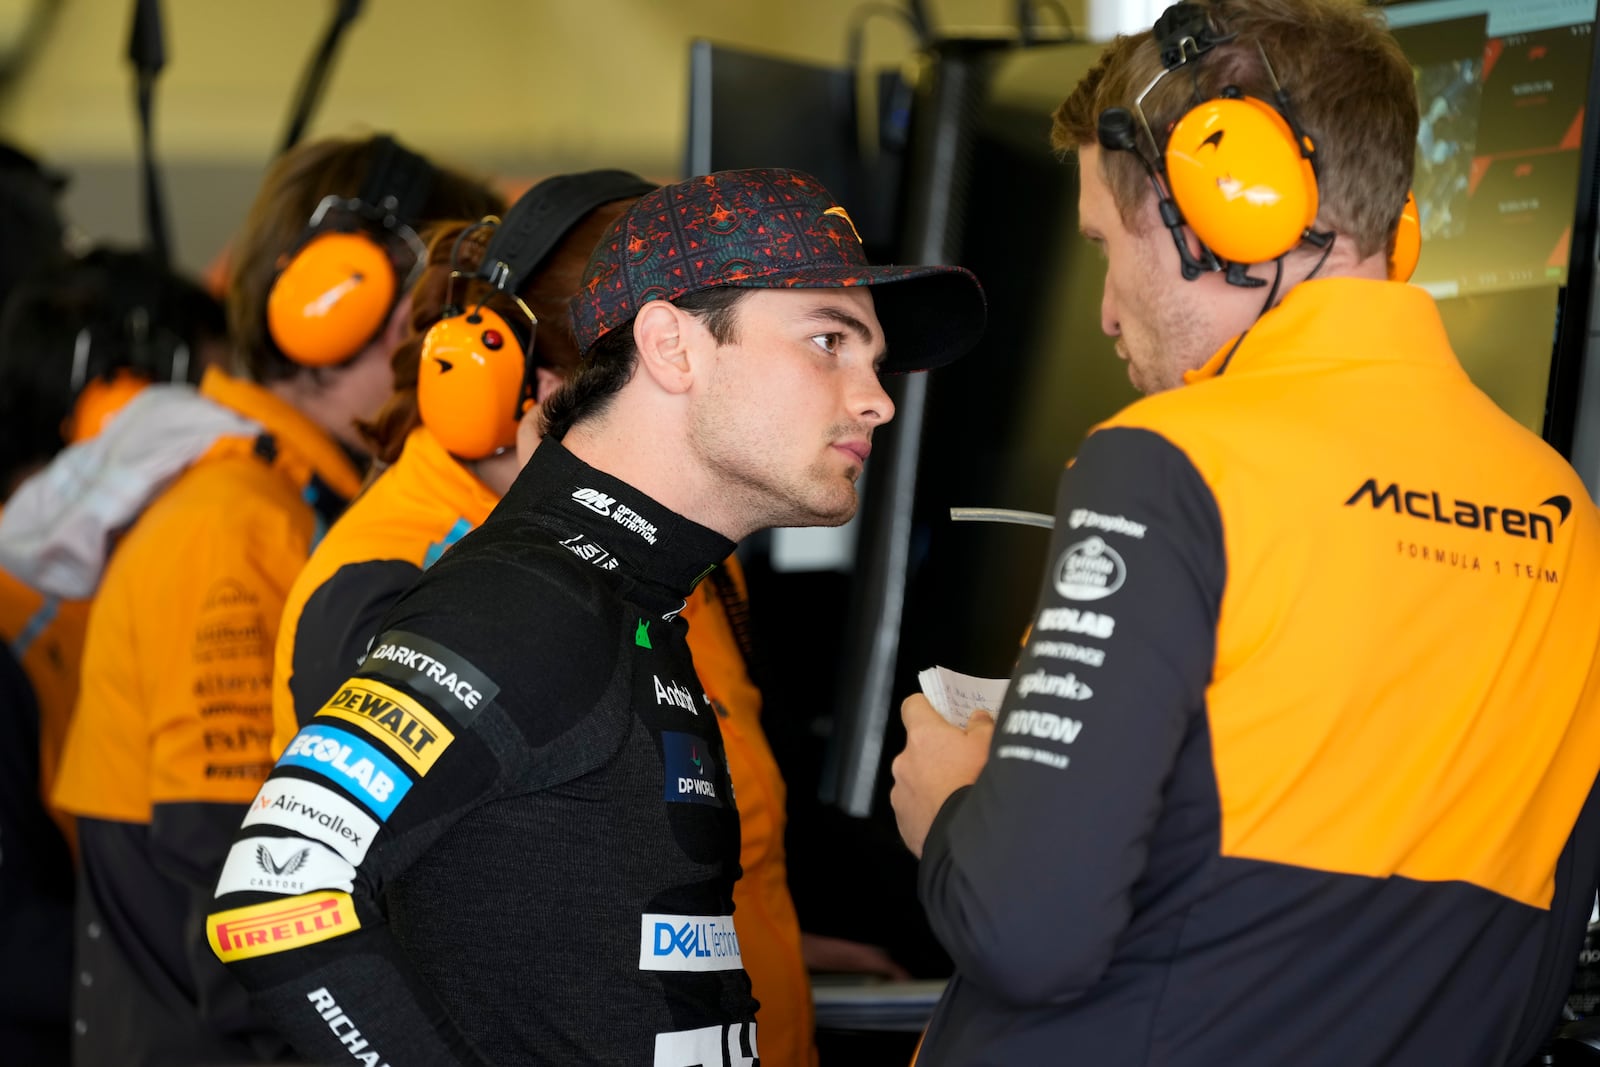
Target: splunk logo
{"points": [[1429, 505], [688, 943]]}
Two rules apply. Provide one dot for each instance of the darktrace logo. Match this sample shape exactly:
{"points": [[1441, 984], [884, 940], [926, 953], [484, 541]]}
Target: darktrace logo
{"points": [[1429, 505]]}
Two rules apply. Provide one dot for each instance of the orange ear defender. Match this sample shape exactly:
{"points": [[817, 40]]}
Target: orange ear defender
{"points": [[1243, 184], [1237, 170], [476, 372], [470, 383], [337, 288], [1407, 242]]}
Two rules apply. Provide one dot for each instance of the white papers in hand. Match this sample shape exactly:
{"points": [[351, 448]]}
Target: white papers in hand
{"points": [[956, 696]]}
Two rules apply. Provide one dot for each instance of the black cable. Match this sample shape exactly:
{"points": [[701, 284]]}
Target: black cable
{"points": [[856, 28], [316, 75], [1272, 295], [1027, 19], [147, 51]]}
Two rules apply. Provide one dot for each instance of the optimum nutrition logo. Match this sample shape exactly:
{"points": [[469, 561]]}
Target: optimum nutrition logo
{"points": [[1427, 504]]}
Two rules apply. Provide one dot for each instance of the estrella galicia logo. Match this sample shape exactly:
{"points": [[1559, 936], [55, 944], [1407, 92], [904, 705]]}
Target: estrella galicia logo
{"points": [[1090, 570], [1427, 504], [691, 771]]}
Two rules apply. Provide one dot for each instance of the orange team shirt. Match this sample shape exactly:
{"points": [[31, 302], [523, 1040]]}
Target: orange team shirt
{"points": [[175, 699]]}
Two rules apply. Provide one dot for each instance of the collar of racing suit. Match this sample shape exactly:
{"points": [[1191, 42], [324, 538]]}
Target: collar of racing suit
{"points": [[299, 447], [1397, 323], [615, 527]]}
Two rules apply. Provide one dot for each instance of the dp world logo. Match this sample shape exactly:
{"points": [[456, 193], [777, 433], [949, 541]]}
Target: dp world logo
{"points": [[1090, 570]]}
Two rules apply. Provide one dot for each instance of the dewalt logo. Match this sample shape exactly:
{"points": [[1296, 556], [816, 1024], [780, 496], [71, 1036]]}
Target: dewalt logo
{"points": [[394, 718]]}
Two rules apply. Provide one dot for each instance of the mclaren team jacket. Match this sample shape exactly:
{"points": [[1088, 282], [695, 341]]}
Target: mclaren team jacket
{"points": [[400, 526], [1296, 766], [509, 837], [45, 634], [170, 737]]}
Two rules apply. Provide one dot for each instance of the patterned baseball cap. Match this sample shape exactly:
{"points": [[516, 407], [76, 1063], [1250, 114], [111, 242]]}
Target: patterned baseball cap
{"points": [[769, 229]]}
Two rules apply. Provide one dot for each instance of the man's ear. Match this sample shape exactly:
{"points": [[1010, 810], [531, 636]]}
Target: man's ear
{"points": [[662, 333], [545, 383]]}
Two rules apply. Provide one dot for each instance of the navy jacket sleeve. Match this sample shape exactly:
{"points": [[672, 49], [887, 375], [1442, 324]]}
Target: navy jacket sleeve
{"points": [[336, 627], [1026, 875]]}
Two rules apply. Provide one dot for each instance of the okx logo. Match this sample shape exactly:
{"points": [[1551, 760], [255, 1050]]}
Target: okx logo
{"points": [[688, 943], [691, 772], [594, 500]]}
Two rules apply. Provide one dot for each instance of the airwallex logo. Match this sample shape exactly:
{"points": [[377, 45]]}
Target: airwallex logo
{"points": [[688, 943], [1538, 523]]}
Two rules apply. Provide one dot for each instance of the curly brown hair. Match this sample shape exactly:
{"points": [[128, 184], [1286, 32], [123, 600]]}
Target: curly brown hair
{"points": [[546, 292]]}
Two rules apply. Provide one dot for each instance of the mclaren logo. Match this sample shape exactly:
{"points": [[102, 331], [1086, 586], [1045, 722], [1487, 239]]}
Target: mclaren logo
{"points": [[1428, 504]]}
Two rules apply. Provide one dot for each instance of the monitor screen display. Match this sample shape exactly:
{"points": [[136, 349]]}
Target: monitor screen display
{"points": [[1502, 89]]}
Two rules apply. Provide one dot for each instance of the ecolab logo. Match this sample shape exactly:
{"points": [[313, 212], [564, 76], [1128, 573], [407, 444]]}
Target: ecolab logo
{"points": [[595, 501], [1073, 621], [343, 1029], [351, 762], [1427, 505], [688, 943], [1065, 686]]}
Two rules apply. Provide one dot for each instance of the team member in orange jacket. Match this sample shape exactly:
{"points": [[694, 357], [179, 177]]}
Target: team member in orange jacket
{"points": [[434, 494], [170, 737], [1298, 763]]}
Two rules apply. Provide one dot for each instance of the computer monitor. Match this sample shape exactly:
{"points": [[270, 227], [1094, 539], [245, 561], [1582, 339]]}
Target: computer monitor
{"points": [[749, 109], [1505, 187]]}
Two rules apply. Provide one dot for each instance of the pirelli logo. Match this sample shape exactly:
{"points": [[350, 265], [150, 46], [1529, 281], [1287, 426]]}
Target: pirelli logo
{"points": [[294, 922], [394, 718]]}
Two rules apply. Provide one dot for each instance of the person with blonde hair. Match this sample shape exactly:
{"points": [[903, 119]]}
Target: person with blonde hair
{"points": [[1297, 764]]}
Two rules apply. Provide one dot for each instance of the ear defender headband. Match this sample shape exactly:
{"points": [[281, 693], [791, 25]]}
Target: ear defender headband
{"points": [[1237, 170], [336, 290], [475, 378], [152, 355]]}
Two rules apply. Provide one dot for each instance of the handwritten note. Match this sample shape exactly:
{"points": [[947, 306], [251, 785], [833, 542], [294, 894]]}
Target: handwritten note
{"points": [[956, 696]]}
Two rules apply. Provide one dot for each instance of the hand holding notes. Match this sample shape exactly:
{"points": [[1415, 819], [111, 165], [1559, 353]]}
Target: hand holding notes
{"points": [[956, 696]]}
